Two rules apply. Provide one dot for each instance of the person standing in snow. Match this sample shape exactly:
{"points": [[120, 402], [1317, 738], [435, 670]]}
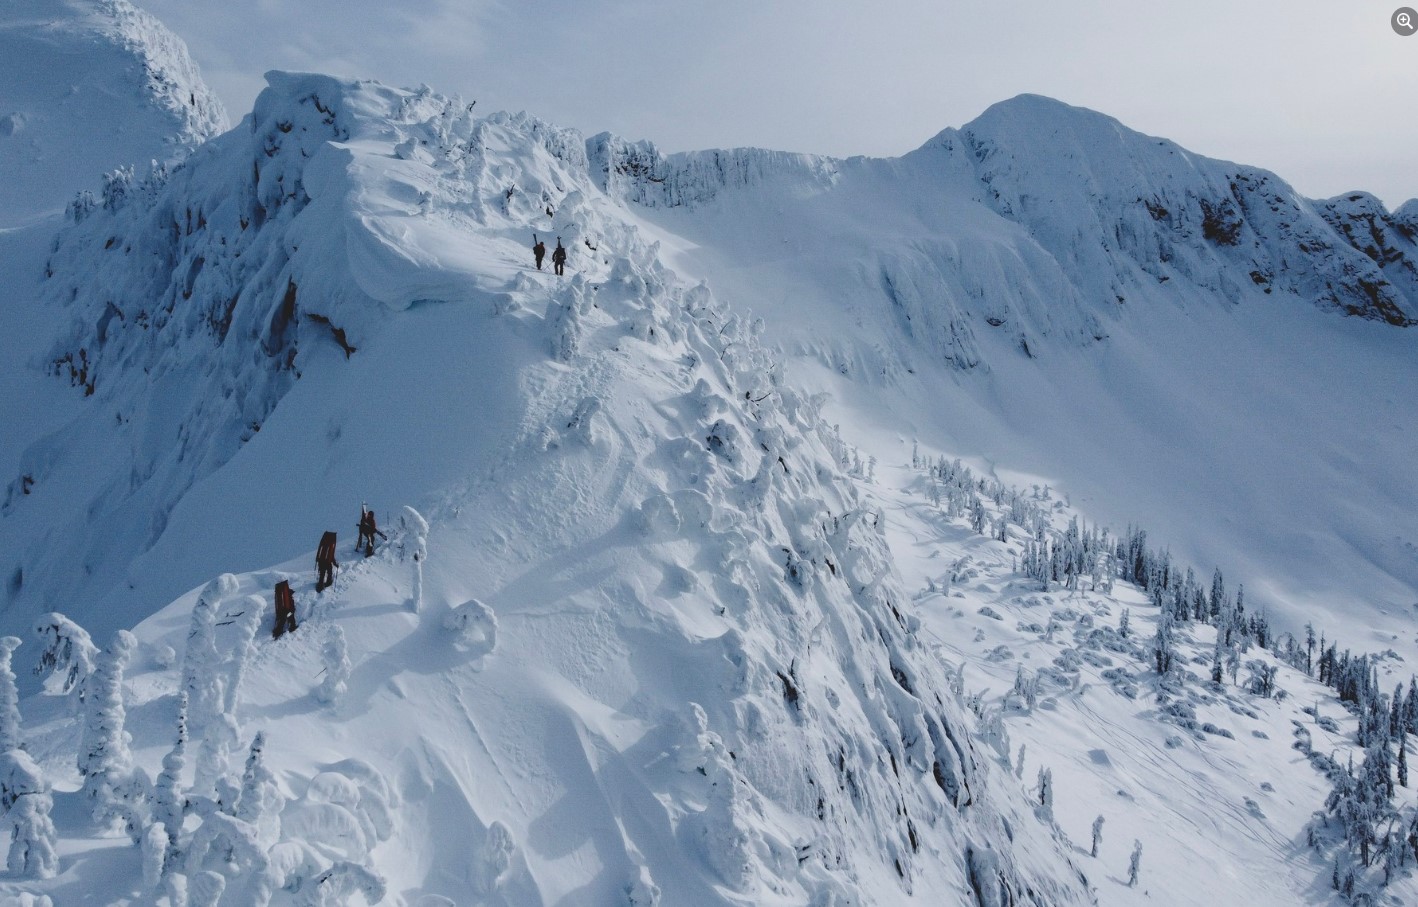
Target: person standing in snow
{"points": [[367, 531], [285, 609], [325, 562], [558, 257], [539, 251]]}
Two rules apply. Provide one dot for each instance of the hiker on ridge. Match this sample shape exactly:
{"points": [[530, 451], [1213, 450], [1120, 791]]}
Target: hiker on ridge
{"points": [[558, 257], [539, 251], [325, 562]]}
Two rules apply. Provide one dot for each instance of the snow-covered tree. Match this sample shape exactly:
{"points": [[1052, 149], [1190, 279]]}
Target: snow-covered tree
{"points": [[414, 546], [1097, 835], [335, 654], [10, 736], [1134, 863], [204, 889], [260, 801], [201, 676], [213, 755], [248, 622], [32, 838], [155, 842], [67, 654], [169, 800], [1046, 794], [104, 758]]}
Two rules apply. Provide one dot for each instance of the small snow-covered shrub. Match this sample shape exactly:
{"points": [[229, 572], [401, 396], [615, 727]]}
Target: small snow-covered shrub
{"points": [[494, 858], [474, 626], [337, 886], [335, 654]]}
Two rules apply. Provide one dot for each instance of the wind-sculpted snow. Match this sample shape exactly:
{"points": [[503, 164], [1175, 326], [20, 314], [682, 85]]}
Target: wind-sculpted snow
{"points": [[649, 645], [90, 86]]}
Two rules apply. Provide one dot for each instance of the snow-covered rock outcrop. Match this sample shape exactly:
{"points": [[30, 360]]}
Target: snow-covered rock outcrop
{"points": [[90, 86]]}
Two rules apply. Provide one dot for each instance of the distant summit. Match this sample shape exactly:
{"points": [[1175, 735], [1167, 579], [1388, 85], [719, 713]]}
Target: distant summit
{"points": [[87, 86]]}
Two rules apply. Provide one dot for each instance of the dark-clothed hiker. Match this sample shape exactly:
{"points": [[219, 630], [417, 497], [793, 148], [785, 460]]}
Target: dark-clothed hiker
{"points": [[367, 531], [558, 257], [539, 250], [285, 609], [325, 562]]}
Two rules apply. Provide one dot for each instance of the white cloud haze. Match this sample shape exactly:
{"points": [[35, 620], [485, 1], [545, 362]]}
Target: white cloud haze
{"points": [[1321, 91]]}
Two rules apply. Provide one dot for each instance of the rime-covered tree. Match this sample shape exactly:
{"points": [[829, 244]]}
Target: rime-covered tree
{"points": [[67, 654], [335, 654], [260, 801], [248, 621], [415, 548], [169, 799], [104, 758], [10, 736], [1134, 863], [32, 838], [201, 675], [1097, 835]]}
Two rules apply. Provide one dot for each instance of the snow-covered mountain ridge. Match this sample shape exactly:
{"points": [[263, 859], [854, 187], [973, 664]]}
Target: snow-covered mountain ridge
{"points": [[88, 86], [1114, 209], [691, 680], [660, 642]]}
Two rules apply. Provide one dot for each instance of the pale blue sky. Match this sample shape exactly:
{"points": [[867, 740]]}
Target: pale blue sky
{"points": [[1321, 91]]}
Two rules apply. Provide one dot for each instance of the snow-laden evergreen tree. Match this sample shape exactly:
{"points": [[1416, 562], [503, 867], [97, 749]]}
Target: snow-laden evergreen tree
{"points": [[1097, 835], [335, 654], [67, 654], [10, 735], [169, 799], [260, 801], [1134, 863], [1046, 795], [214, 754], [414, 546], [204, 889], [32, 838], [1162, 653], [201, 676], [104, 758], [155, 842], [248, 622]]}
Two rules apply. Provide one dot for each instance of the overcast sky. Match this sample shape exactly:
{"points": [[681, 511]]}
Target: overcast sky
{"points": [[1321, 91]]}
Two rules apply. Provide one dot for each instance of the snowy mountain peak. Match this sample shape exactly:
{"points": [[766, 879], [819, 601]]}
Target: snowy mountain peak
{"points": [[90, 86]]}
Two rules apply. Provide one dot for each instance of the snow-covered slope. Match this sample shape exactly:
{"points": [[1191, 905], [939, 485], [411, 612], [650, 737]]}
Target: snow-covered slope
{"points": [[1173, 340], [88, 86], [693, 679]]}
